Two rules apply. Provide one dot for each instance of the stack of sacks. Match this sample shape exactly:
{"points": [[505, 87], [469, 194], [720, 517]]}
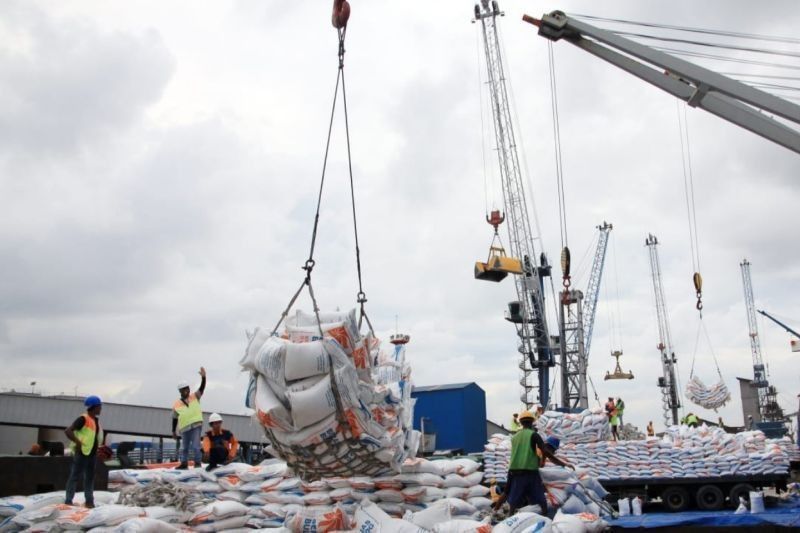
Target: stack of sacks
{"points": [[712, 397], [496, 455], [586, 426], [685, 453], [334, 404], [273, 496]]}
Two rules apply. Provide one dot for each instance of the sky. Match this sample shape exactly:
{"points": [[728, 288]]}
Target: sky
{"points": [[159, 166]]}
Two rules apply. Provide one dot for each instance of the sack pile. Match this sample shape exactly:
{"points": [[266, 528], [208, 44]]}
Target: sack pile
{"points": [[586, 426], [496, 455], [684, 452], [331, 401], [630, 432], [712, 397]]}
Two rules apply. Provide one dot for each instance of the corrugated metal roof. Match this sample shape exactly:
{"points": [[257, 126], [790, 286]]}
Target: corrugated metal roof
{"points": [[449, 386], [59, 412]]}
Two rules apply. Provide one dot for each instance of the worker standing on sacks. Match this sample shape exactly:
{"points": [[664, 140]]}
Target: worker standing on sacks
{"points": [[525, 485], [187, 419], [86, 436], [219, 445]]}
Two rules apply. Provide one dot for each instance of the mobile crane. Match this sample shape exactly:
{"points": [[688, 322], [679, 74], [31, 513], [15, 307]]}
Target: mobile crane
{"points": [[794, 342], [729, 99]]}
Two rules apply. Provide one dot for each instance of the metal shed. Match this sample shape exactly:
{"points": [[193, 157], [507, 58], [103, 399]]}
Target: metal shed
{"points": [[457, 413]]}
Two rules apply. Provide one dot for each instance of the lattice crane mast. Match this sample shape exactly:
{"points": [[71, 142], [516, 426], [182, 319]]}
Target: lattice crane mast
{"points": [[768, 408], [577, 322], [670, 399], [527, 313]]}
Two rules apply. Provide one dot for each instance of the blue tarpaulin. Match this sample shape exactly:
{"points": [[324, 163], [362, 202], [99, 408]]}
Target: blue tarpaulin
{"points": [[783, 514]]}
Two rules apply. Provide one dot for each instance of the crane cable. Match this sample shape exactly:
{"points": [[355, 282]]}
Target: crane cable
{"points": [[691, 211], [341, 13], [562, 207]]}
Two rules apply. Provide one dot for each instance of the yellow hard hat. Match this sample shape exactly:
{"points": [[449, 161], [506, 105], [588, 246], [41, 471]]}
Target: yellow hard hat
{"points": [[526, 414]]}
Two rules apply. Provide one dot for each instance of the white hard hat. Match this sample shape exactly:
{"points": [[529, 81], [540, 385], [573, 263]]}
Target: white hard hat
{"points": [[214, 418], [182, 385]]}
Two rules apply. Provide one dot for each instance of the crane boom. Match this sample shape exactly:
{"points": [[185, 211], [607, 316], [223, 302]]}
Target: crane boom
{"points": [[781, 324], [670, 399], [528, 312], [575, 336], [768, 408], [724, 97]]}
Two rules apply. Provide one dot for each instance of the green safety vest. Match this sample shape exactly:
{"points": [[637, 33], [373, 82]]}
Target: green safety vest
{"points": [[523, 457], [188, 414], [90, 431], [691, 419]]}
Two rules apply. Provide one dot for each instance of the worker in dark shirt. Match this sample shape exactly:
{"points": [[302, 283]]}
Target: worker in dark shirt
{"points": [[525, 485], [86, 435], [219, 445], [187, 418]]}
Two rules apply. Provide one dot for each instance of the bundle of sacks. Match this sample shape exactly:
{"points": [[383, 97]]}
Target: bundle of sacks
{"points": [[685, 452], [496, 455], [332, 402], [586, 426], [267, 495], [712, 397]]}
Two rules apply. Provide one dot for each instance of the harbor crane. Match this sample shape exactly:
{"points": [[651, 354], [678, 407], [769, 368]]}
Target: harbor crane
{"points": [[794, 342], [576, 325], [527, 312], [731, 100], [670, 399], [768, 408]]}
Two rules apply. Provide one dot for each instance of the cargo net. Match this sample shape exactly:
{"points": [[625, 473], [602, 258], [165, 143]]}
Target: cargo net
{"points": [[697, 392], [332, 402]]}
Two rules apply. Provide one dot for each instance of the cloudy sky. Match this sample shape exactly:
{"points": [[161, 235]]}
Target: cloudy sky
{"points": [[159, 164]]}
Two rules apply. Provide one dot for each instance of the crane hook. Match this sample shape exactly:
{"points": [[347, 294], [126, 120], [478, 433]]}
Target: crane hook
{"points": [[565, 267], [698, 287], [341, 13]]}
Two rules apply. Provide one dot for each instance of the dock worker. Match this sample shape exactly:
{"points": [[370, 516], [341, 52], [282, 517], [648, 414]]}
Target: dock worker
{"points": [[525, 485], [514, 426], [651, 432], [187, 419], [219, 445], [86, 436], [620, 405], [614, 424], [691, 420], [609, 407], [552, 443]]}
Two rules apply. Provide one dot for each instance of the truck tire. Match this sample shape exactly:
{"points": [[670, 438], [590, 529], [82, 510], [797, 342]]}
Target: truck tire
{"points": [[710, 498], [675, 499], [743, 490]]}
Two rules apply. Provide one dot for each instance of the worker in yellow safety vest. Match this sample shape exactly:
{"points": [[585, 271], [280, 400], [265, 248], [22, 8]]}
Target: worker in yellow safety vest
{"points": [[525, 485], [86, 436], [187, 419]]}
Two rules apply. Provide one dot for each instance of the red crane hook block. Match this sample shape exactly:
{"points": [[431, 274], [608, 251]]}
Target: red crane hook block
{"points": [[341, 12]]}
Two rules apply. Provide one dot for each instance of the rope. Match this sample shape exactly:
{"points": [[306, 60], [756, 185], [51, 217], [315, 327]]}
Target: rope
{"points": [[361, 297], [691, 210], [562, 208], [701, 325]]}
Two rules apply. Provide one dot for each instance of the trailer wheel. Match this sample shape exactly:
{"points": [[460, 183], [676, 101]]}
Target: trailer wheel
{"points": [[743, 490], [676, 499], [710, 498]]}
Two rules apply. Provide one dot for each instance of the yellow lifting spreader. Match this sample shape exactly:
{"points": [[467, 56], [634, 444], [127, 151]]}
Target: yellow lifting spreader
{"points": [[498, 265], [618, 373]]}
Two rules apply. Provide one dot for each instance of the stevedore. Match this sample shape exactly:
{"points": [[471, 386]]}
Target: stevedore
{"points": [[620, 409], [514, 426], [691, 420], [187, 419], [552, 444], [610, 407], [651, 432], [86, 435], [525, 485], [219, 445], [614, 424], [751, 425]]}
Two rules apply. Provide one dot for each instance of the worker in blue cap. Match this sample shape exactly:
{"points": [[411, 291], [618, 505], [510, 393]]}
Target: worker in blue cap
{"points": [[86, 436]]}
